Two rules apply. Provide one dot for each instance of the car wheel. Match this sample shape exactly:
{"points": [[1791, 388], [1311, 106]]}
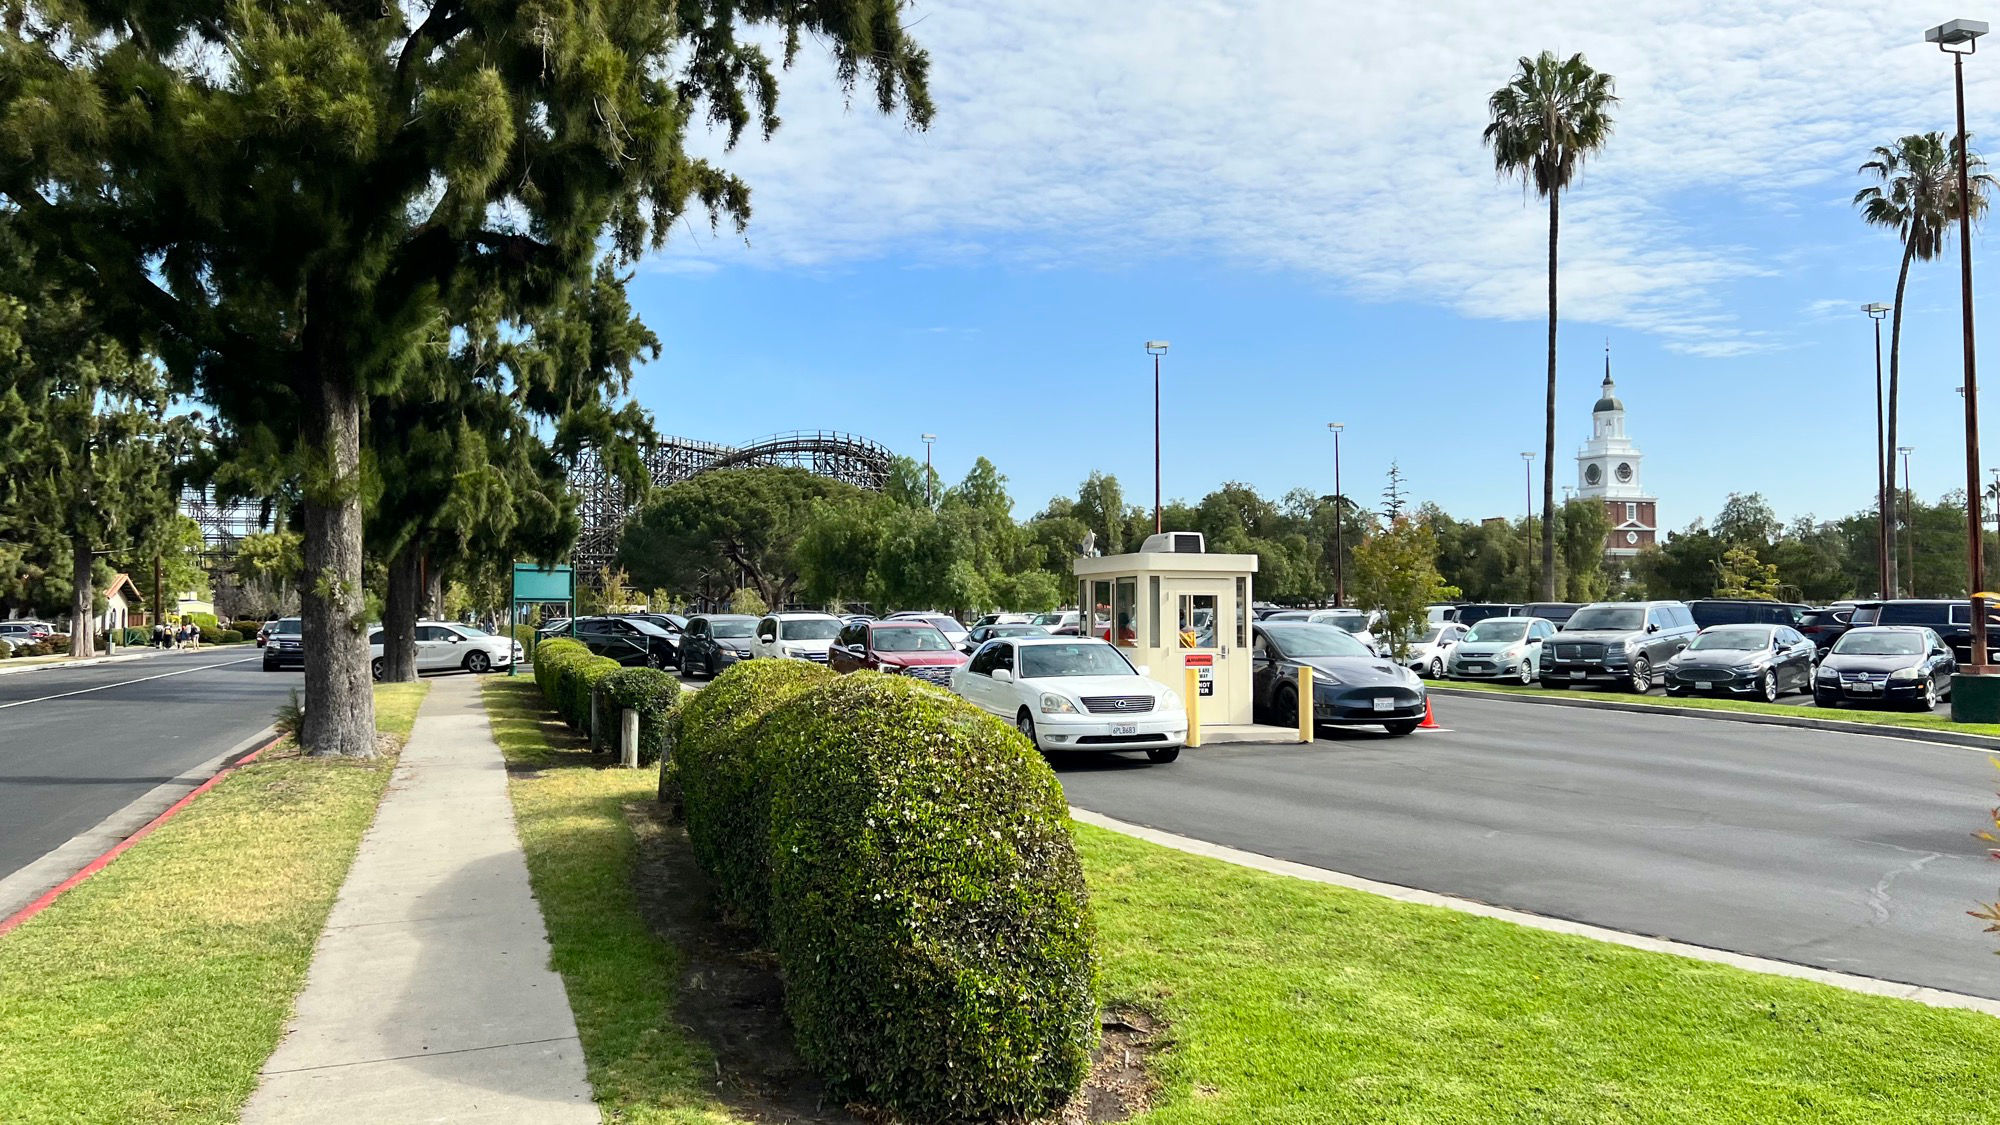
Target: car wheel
{"points": [[1437, 668], [375, 668], [1025, 723], [1162, 757], [1527, 676], [1285, 708], [1400, 727], [1768, 686], [1929, 701], [478, 663], [653, 660], [1642, 675]]}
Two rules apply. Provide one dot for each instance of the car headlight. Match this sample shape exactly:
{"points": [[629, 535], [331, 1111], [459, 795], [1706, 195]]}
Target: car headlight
{"points": [[1320, 677], [1903, 676], [1170, 700], [1053, 704], [1828, 675]]}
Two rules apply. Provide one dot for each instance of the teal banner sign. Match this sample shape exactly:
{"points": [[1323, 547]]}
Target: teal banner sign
{"points": [[543, 584]]}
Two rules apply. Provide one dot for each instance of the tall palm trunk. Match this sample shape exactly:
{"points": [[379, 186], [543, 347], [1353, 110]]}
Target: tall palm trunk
{"points": [[1549, 421], [1889, 447]]}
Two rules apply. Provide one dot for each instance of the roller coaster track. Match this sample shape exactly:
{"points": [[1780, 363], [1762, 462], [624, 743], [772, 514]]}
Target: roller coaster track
{"points": [[605, 506]]}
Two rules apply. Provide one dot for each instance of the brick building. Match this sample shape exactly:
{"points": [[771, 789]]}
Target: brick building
{"points": [[1607, 470]]}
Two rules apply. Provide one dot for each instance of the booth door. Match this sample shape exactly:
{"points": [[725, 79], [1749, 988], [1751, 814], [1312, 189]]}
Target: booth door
{"points": [[1204, 609]]}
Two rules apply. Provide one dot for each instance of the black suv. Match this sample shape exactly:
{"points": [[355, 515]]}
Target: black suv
{"points": [[1949, 619], [1824, 626], [1622, 644], [1746, 611], [1555, 613], [627, 640], [715, 642]]}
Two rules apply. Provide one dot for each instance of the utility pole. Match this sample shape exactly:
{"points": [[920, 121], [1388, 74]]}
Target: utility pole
{"points": [[1876, 311], [1528, 490], [929, 440], [1156, 349], [1339, 521]]}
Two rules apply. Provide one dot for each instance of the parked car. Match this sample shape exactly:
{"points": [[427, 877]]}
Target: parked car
{"points": [[1005, 619], [28, 628], [1074, 693], [857, 618], [1351, 685], [1430, 650], [1950, 620], [555, 626], [900, 648], [286, 645], [980, 634], [715, 642], [1555, 613], [1617, 644], [1745, 611], [264, 633], [446, 645], [1354, 622], [945, 622], [1475, 612], [1824, 626], [1439, 614], [1502, 648], [795, 636], [1761, 660], [628, 640], [1886, 664], [1052, 622]]}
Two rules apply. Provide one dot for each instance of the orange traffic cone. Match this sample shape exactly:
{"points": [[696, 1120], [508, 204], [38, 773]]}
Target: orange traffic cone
{"points": [[1428, 723]]}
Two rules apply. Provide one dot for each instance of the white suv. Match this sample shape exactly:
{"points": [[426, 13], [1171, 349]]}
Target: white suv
{"points": [[795, 636]]}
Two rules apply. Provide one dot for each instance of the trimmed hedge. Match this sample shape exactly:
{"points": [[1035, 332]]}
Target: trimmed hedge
{"points": [[927, 906], [654, 695], [231, 637], [724, 776]]}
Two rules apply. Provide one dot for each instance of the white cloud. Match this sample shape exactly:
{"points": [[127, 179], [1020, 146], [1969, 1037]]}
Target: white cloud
{"points": [[1341, 140]]}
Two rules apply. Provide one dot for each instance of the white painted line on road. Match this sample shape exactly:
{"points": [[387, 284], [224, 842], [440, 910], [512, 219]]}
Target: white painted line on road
{"points": [[1935, 997], [124, 683]]}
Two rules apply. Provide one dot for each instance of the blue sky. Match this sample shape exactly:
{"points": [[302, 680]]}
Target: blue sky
{"points": [[1299, 202]]}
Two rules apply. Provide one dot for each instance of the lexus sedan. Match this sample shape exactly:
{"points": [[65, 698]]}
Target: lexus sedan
{"points": [[1351, 685], [1879, 664], [1764, 661], [1074, 693]]}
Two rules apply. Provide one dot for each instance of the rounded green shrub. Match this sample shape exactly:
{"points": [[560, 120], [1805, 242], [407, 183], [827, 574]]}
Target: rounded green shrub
{"points": [[725, 781], [549, 660], [927, 906], [231, 637], [653, 694], [580, 680]]}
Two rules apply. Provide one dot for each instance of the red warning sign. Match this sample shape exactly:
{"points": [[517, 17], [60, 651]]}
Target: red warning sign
{"points": [[1199, 659]]}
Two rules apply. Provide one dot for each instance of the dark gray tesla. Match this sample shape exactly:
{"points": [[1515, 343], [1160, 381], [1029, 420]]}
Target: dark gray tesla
{"points": [[1351, 685], [1764, 661]]}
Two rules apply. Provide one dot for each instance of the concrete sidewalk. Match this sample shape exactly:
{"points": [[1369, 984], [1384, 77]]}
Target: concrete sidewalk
{"points": [[430, 997]]}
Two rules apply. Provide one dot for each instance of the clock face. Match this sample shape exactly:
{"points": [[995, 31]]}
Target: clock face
{"points": [[1624, 473], [1631, 537], [1591, 474]]}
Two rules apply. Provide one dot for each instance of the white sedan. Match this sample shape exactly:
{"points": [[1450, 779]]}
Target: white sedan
{"points": [[1074, 693], [446, 645], [1430, 651]]}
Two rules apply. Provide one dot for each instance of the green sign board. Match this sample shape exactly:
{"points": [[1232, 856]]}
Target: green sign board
{"points": [[543, 584]]}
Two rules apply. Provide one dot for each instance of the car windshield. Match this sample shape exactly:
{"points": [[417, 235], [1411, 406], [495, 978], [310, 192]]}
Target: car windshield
{"points": [[1303, 640], [910, 638], [810, 628], [1868, 642], [289, 626], [1046, 662], [1427, 637], [1612, 618], [472, 630], [732, 629], [1497, 632], [1353, 621], [1732, 640]]}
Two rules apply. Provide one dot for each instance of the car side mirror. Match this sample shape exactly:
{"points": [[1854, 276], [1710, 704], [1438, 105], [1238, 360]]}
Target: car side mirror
{"points": [[1002, 675], [1652, 628], [1534, 640], [1145, 670]]}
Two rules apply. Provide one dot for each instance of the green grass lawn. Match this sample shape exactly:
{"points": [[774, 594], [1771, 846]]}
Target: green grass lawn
{"points": [[1298, 1002], [1913, 719], [155, 989], [621, 979]]}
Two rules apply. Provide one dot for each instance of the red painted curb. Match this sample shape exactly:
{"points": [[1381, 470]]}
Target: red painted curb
{"points": [[13, 921]]}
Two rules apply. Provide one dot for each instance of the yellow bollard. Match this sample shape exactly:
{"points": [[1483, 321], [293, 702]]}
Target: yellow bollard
{"points": [[1305, 704], [1193, 698]]}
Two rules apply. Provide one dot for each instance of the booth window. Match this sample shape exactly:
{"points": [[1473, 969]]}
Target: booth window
{"points": [[1198, 623], [1124, 613], [1242, 613], [1153, 605], [1097, 617]]}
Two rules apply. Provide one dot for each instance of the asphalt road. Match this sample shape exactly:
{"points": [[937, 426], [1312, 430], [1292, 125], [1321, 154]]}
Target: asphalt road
{"points": [[78, 744], [1849, 852]]}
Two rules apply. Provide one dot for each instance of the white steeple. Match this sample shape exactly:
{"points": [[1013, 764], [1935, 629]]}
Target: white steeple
{"points": [[1608, 465]]}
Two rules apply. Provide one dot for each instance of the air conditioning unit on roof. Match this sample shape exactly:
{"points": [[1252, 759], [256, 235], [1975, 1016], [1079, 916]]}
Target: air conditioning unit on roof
{"points": [[1174, 543]]}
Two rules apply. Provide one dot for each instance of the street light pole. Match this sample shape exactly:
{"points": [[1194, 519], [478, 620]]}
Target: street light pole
{"points": [[1909, 536], [1876, 311], [1958, 39], [1156, 349], [1339, 520], [929, 440], [1528, 490]]}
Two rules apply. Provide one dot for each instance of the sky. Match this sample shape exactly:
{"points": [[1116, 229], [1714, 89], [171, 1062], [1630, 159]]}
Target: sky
{"points": [[1297, 198]]}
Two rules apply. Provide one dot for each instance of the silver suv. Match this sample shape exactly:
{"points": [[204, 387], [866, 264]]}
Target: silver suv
{"points": [[1617, 644]]}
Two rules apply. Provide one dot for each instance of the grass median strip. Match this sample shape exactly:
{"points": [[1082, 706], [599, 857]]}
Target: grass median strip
{"points": [[154, 990], [1914, 720]]}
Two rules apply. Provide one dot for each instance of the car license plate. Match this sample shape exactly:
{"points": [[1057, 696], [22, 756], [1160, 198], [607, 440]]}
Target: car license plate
{"points": [[1578, 674], [1860, 687], [1700, 686], [1383, 704], [1124, 728]]}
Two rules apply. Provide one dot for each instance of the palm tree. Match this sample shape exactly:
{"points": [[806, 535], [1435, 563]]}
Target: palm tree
{"points": [[1917, 196], [1544, 122]]}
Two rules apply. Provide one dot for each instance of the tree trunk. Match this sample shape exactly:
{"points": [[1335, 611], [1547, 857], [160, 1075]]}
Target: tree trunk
{"points": [[399, 615], [82, 641], [1889, 447], [1549, 427], [340, 704]]}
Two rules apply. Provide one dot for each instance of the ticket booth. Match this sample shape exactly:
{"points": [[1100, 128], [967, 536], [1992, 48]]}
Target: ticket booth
{"points": [[1172, 609]]}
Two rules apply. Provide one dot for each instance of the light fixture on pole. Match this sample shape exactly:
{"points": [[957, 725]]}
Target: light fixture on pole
{"points": [[1910, 536], [1876, 311], [1528, 490], [1339, 520], [1156, 349], [1958, 39], [929, 440]]}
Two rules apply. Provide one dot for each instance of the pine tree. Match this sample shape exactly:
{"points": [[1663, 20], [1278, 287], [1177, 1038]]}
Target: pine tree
{"points": [[287, 199]]}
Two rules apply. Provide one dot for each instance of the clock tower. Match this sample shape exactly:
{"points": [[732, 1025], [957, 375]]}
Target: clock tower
{"points": [[1608, 471]]}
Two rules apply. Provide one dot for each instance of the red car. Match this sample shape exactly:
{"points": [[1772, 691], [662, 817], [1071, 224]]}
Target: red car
{"points": [[906, 648]]}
